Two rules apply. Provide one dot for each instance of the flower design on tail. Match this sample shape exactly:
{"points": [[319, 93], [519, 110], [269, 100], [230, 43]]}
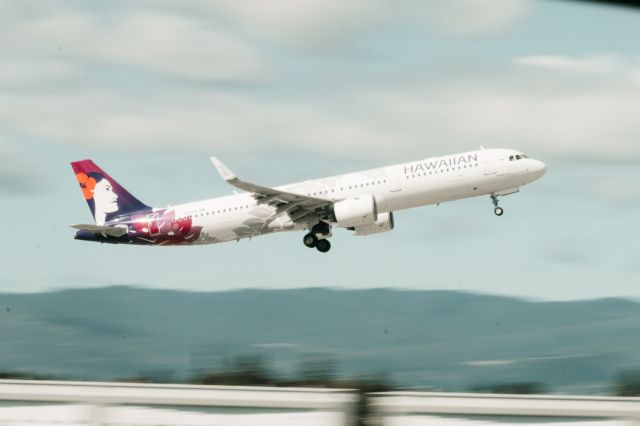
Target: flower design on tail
{"points": [[87, 185]]}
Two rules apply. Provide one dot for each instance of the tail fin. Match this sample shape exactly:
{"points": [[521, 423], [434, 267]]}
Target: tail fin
{"points": [[106, 198]]}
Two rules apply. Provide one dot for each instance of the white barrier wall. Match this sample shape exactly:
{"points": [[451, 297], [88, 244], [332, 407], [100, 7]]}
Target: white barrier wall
{"points": [[450, 409], [39, 403]]}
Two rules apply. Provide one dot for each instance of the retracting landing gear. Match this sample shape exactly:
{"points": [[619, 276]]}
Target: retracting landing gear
{"points": [[497, 210], [321, 244]]}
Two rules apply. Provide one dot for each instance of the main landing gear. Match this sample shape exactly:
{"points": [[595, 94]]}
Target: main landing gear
{"points": [[497, 210], [311, 239]]}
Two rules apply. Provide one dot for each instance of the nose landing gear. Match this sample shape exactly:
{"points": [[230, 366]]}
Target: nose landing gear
{"points": [[497, 209]]}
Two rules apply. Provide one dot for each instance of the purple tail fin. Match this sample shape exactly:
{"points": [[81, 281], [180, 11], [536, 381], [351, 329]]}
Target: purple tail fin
{"points": [[106, 198]]}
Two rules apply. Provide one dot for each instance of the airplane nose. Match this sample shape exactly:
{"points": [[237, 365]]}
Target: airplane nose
{"points": [[539, 168]]}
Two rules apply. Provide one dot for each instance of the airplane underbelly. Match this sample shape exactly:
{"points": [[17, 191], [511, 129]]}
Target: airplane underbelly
{"points": [[255, 222], [219, 232], [433, 192]]}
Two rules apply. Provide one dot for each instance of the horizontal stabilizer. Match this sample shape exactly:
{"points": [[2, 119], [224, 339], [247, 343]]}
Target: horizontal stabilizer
{"points": [[111, 231]]}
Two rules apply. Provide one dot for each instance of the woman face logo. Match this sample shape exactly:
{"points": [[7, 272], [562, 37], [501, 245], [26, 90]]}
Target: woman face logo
{"points": [[106, 200], [98, 192]]}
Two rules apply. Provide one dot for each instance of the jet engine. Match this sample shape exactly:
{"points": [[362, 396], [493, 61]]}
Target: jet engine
{"points": [[383, 224], [357, 211]]}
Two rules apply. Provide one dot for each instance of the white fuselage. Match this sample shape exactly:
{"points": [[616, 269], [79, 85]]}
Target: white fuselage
{"points": [[397, 187]]}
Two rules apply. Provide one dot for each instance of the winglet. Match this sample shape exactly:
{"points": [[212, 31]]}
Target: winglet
{"points": [[222, 169]]}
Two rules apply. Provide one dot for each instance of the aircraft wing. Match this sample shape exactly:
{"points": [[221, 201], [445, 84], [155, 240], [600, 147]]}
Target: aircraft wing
{"points": [[299, 208], [111, 231]]}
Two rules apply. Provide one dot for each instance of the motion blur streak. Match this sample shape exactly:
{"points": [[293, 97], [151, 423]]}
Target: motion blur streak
{"points": [[67, 403], [32, 402]]}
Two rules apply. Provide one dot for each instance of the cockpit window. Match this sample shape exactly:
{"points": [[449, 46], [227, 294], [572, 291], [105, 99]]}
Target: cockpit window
{"points": [[517, 157]]}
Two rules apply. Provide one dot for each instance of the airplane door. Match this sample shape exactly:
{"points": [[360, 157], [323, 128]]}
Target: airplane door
{"points": [[501, 166], [489, 162], [396, 181]]}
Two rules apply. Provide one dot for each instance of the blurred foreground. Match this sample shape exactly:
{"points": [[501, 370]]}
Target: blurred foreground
{"points": [[374, 340], [73, 403]]}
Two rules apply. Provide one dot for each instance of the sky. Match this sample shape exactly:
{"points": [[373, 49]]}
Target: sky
{"points": [[289, 90]]}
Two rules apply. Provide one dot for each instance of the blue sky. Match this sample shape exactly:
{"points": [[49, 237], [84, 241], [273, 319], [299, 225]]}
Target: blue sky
{"points": [[289, 90]]}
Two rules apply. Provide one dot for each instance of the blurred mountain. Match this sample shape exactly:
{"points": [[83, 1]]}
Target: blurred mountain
{"points": [[431, 339]]}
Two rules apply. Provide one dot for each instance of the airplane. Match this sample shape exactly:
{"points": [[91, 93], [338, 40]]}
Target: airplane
{"points": [[363, 202]]}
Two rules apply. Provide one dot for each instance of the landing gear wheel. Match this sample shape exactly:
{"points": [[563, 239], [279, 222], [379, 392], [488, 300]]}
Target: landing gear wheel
{"points": [[498, 210], [321, 228], [310, 240], [323, 246]]}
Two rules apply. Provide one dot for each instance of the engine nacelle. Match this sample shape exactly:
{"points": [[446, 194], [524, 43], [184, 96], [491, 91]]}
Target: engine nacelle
{"points": [[357, 211], [383, 224]]}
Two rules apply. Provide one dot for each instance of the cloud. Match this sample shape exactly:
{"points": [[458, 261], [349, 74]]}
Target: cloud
{"points": [[30, 74], [18, 176], [600, 66], [318, 24], [214, 122], [473, 18], [309, 23], [151, 40], [150, 65], [13, 183], [598, 122], [592, 123], [589, 65]]}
